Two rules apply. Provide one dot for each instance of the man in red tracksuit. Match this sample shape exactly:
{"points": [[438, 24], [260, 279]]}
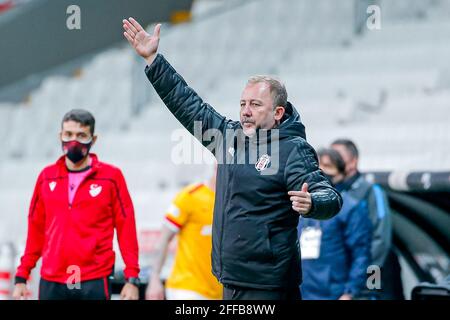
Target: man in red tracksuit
{"points": [[76, 205]]}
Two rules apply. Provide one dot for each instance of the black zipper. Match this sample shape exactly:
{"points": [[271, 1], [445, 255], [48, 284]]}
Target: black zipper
{"points": [[221, 238], [224, 215]]}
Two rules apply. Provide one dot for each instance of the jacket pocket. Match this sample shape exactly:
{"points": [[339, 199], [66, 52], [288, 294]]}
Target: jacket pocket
{"points": [[246, 240]]}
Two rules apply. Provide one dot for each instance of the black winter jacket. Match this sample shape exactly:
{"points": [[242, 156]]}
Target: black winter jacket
{"points": [[255, 242]]}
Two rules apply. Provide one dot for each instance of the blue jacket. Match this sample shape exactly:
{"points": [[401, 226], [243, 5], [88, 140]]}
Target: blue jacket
{"points": [[345, 252]]}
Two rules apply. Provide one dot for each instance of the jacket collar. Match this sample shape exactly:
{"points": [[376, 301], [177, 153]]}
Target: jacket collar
{"points": [[349, 182], [62, 168]]}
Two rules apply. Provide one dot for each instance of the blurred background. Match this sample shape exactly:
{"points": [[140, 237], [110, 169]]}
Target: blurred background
{"points": [[384, 83]]}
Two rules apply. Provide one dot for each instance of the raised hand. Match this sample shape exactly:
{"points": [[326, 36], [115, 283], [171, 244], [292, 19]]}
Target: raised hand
{"points": [[301, 200], [146, 45]]}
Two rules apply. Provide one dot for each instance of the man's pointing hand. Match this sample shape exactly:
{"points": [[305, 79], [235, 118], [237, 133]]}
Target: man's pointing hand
{"points": [[301, 200]]}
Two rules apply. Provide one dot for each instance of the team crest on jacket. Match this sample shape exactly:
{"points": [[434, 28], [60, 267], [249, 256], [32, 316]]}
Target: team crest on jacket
{"points": [[263, 162], [52, 185], [95, 190]]}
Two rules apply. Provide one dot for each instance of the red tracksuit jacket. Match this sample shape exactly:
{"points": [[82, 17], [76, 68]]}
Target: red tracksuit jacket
{"points": [[81, 234]]}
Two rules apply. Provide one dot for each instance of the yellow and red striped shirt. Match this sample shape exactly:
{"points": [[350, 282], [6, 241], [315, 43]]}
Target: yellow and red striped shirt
{"points": [[190, 215]]}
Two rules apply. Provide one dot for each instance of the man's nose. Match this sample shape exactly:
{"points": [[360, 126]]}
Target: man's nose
{"points": [[246, 111]]}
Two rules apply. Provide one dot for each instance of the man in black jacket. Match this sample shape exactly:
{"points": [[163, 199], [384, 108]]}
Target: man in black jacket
{"points": [[267, 175]]}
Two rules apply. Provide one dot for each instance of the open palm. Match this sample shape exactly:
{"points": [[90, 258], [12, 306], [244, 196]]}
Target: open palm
{"points": [[146, 45]]}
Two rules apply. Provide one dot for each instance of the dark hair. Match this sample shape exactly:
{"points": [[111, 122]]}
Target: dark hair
{"points": [[349, 145], [335, 158], [83, 117]]}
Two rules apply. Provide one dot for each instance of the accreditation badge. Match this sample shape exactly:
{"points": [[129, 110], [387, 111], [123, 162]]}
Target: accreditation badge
{"points": [[310, 239]]}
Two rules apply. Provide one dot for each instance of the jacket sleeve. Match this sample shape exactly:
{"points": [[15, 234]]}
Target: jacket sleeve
{"points": [[380, 216], [358, 236], [36, 233], [182, 101], [302, 166], [124, 222]]}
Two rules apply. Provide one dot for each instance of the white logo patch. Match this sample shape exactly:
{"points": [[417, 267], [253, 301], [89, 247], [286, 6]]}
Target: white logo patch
{"points": [[52, 185], [95, 190], [263, 162]]}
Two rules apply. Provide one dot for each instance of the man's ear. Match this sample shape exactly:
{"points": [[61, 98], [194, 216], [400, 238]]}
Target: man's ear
{"points": [[94, 140], [279, 113], [354, 162]]}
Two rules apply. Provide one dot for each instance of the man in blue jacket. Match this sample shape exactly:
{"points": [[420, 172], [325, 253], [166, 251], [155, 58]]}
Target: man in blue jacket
{"points": [[383, 254], [336, 252]]}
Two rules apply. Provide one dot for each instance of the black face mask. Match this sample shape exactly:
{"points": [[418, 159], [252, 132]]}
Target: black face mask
{"points": [[76, 151], [330, 178]]}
